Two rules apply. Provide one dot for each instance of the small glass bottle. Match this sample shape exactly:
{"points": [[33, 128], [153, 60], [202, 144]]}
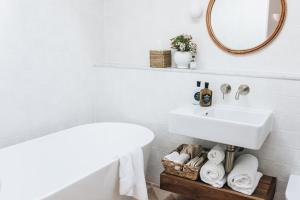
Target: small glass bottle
{"points": [[196, 93], [193, 64], [206, 96]]}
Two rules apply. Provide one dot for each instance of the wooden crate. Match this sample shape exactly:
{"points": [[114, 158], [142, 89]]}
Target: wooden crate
{"points": [[183, 170], [199, 190], [160, 59]]}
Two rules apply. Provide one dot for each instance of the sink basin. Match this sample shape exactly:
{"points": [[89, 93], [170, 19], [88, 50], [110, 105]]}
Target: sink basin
{"points": [[242, 127]]}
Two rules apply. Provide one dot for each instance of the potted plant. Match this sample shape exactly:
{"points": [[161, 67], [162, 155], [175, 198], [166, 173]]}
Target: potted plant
{"points": [[185, 50]]}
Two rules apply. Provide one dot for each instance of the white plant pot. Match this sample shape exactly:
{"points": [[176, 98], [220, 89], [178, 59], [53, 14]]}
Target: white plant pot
{"points": [[182, 59]]}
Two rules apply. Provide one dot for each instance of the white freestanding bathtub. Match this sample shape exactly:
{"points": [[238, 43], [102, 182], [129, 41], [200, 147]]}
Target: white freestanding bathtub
{"points": [[80, 163]]}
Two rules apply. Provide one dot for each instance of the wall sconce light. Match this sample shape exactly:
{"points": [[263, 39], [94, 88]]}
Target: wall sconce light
{"points": [[197, 8]]}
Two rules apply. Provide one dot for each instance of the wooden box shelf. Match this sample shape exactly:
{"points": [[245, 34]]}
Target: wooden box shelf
{"points": [[200, 191]]}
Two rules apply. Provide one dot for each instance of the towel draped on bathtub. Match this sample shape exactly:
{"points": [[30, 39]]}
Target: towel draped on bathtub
{"points": [[132, 176]]}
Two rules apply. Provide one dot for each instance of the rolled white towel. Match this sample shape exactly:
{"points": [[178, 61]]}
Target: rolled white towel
{"points": [[216, 154], [213, 174], [244, 177], [248, 191], [173, 156], [182, 158]]}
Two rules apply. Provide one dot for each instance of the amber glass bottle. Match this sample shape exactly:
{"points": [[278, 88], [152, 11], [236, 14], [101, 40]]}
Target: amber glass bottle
{"points": [[206, 96]]}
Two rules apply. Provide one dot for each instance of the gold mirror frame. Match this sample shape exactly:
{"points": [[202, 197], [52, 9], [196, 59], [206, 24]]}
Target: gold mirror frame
{"points": [[244, 51]]}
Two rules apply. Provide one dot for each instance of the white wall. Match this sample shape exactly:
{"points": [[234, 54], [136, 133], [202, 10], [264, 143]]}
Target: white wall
{"points": [[133, 27], [47, 48]]}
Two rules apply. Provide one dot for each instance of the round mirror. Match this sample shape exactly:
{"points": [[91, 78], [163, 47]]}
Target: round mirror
{"points": [[244, 26]]}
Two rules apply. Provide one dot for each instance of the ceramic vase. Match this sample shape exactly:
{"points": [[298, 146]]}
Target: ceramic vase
{"points": [[182, 59]]}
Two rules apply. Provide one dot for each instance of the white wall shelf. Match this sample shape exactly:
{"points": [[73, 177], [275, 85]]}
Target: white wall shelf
{"points": [[250, 74]]}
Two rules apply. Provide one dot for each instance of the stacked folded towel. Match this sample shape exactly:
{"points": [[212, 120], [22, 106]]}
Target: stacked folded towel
{"points": [[244, 177], [197, 161], [178, 158], [188, 151], [213, 172], [182, 158], [172, 156]]}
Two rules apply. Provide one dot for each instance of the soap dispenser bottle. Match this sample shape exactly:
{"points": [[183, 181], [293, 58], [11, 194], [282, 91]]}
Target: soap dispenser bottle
{"points": [[206, 96], [196, 94]]}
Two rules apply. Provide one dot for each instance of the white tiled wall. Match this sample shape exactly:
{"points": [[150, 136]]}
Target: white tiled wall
{"points": [[47, 48], [133, 27], [145, 97]]}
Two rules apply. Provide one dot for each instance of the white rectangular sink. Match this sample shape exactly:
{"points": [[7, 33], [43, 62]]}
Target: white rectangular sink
{"points": [[236, 126]]}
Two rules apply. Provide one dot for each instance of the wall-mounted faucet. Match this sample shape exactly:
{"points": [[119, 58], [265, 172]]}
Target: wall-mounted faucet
{"points": [[243, 90], [225, 89]]}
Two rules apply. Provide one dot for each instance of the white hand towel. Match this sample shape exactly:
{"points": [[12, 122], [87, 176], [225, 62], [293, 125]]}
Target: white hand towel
{"points": [[216, 154], [131, 175], [244, 177], [182, 158], [173, 156], [213, 174]]}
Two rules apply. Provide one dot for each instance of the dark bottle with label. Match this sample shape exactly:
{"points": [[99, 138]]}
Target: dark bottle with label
{"points": [[196, 95], [206, 96]]}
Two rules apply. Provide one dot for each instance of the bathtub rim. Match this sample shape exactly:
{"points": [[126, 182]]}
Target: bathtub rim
{"points": [[78, 126]]}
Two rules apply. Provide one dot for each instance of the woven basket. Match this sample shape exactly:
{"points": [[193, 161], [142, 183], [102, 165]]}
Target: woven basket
{"points": [[182, 170], [160, 59]]}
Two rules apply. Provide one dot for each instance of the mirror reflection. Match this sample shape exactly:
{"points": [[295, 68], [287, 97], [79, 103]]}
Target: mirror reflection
{"points": [[244, 24]]}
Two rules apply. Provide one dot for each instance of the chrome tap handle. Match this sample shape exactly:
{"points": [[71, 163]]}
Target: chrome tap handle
{"points": [[243, 90], [225, 89]]}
